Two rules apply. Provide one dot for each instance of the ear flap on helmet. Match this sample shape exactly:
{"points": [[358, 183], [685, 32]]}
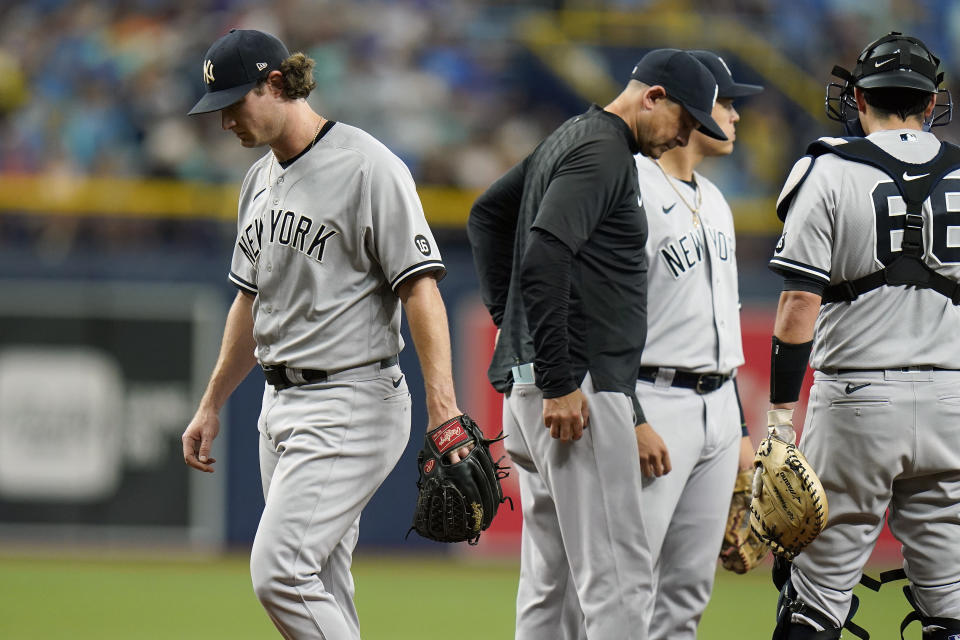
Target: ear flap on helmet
{"points": [[840, 104], [942, 111]]}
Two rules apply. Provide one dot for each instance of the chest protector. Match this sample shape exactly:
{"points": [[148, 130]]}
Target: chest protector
{"points": [[915, 182]]}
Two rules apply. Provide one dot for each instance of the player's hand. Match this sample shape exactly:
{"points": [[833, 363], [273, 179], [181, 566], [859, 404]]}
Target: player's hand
{"points": [[654, 457], [456, 455], [566, 416], [198, 439]]}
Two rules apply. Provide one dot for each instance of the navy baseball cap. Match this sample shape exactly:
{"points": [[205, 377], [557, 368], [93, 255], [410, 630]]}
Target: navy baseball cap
{"points": [[686, 81], [234, 64], [726, 86]]}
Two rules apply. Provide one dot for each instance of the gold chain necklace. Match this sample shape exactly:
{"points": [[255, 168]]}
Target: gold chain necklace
{"points": [[695, 210], [312, 142]]}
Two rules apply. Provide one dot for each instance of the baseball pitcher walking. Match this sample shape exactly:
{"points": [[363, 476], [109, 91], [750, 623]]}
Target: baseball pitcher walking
{"points": [[331, 239]]}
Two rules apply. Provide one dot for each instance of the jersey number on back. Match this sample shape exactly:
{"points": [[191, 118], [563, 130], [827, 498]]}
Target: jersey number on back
{"points": [[945, 203]]}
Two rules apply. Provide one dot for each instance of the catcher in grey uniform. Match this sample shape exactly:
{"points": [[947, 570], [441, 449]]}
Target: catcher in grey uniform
{"points": [[871, 261], [558, 244], [331, 238], [686, 384]]}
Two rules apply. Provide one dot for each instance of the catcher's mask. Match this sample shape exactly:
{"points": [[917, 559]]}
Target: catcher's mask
{"points": [[893, 61]]}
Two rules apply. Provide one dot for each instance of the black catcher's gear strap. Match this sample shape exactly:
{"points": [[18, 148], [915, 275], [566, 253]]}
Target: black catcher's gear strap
{"points": [[789, 603], [874, 584], [908, 267], [948, 626]]}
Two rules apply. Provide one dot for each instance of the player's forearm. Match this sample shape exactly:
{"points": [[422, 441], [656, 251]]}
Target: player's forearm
{"points": [[427, 318], [793, 332], [796, 316], [236, 357], [746, 453]]}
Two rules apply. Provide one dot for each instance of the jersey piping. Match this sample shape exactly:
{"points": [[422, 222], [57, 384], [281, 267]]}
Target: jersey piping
{"points": [[240, 283], [428, 265], [785, 264]]}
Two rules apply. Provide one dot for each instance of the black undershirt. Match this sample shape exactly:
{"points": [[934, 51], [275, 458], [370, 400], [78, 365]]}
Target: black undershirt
{"points": [[800, 282], [323, 131]]}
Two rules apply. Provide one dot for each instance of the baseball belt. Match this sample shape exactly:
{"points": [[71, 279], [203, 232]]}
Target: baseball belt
{"points": [[283, 377], [699, 382], [904, 369]]}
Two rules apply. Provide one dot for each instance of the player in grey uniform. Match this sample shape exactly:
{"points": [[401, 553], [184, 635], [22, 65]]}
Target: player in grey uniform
{"points": [[558, 244], [871, 268], [331, 238], [686, 384]]}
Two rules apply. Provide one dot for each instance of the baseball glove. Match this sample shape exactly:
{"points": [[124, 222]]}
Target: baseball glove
{"points": [[789, 505], [742, 550], [457, 501]]}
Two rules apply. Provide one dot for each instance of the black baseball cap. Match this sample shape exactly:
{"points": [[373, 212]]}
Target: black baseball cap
{"points": [[726, 86], [234, 64], [686, 81]]}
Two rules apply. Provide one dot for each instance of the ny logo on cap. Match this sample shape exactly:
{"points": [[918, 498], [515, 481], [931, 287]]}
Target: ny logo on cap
{"points": [[208, 71], [726, 68]]}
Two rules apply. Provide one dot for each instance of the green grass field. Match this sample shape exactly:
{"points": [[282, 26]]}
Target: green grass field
{"points": [[60, 596]]}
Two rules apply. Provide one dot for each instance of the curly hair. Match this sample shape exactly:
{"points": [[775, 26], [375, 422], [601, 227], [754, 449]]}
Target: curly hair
{"points": [[298, 79], [297, 73]]}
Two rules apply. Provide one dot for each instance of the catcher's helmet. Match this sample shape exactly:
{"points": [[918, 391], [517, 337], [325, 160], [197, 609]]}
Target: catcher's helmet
{"points": [[894, 61]]}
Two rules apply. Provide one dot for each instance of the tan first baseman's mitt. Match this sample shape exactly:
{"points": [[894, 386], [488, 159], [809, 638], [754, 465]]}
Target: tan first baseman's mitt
{"points": [[742, 550], [789, 505]]}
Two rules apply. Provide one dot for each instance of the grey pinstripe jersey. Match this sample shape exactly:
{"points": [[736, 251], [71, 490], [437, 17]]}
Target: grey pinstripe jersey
{"points": [[831, 234], [693, 302], [325, 246]]}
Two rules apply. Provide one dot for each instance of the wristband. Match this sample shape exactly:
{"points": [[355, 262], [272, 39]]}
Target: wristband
{"points": [[788, 365]]}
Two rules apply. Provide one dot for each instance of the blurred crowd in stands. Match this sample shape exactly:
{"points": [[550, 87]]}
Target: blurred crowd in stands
{"points": [[102, 87]]}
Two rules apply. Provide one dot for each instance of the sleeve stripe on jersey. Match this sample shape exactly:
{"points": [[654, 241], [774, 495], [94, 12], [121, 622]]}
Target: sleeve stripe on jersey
{"points": [[778, 264], [429, 265], [243, 284]]}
